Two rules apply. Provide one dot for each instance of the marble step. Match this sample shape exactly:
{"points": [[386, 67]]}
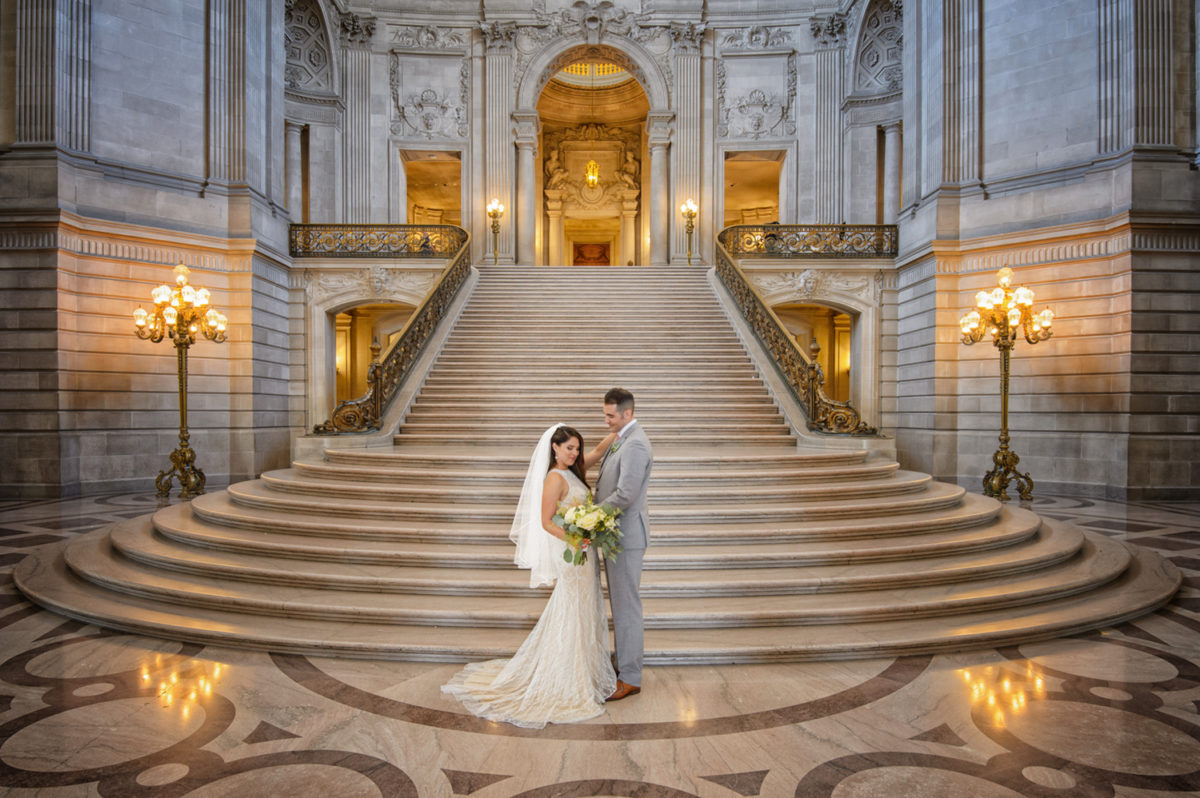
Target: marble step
{"points": [[651, 416], [223, 509], [180, 524], [257, 493], [468, 479], [487, 497], [130, 560], [666, 459], [123, 564], [781, 439], [1147, 583], [468, 427]]}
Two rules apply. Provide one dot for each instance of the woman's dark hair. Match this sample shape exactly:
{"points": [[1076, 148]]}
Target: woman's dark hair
{"points": [[561, 436]]}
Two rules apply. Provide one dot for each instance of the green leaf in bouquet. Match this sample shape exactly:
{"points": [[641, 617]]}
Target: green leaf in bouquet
{"points": [[567, 556]]}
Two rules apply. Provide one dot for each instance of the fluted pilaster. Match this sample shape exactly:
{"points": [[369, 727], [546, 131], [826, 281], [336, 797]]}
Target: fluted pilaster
{"points": [[498, 147], [295, 171], [1136, 55], [356, 139], [891, 172], [830, 90], [658, 130], [53, 73], [961, 132], [227, 91], [686, 149]]}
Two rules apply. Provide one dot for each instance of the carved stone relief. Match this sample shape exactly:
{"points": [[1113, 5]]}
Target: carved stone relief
{"points": [[429, 37], [617, 150], [429, 113], [757, 37], [357, 29], [829, 31], [880, 48], [818, 284], [307, 66], [759, 112], [321, 285]]}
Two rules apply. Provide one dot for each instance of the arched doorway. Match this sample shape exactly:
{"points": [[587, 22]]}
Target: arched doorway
{"points": [[655, 135], [593, 115]]}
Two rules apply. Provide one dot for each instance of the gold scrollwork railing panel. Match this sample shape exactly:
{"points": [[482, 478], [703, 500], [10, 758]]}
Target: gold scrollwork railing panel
{"points": [[811, 240], [386, 375], [375, 240], [804, 377]]}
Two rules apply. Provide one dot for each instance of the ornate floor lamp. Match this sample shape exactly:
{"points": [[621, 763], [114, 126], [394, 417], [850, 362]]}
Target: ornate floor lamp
{"points": [[180, 313], [689, 210], [494, 211], [1002, 313]]}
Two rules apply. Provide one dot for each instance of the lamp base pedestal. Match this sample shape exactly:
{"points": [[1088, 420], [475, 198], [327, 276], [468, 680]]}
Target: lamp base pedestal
{"points": [[995, 482], [183, 467]]}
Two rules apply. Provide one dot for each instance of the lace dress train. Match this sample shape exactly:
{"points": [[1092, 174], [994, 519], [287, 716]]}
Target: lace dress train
{"points": [[562, 672]]}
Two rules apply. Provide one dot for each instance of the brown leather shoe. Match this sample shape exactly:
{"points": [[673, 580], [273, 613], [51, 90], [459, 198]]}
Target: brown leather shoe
{"points": [[623, 691]]}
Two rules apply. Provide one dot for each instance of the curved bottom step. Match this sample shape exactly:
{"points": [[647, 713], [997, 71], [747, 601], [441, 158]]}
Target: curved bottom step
{"points": [[1148, 583]]}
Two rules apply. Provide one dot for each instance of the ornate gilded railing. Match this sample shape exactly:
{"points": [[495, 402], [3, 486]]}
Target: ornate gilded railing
{"points": [[804, 377], [375, 240], [386, 375], [811, 240]]}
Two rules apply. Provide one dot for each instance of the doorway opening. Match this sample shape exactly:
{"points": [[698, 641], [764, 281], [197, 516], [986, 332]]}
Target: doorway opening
{"points": [[357, 331], [832, 331], [433, 186], [752, 186]]}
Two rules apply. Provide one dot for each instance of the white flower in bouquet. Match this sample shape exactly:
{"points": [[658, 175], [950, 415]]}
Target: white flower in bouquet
{"points": [[597, 525]]}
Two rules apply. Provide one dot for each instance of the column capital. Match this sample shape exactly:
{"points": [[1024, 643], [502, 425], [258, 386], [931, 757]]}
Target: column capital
{"points": [[526, 125], [658, 128]]}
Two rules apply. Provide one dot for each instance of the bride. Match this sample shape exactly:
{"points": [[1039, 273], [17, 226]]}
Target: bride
{"points": [[562, 672]]}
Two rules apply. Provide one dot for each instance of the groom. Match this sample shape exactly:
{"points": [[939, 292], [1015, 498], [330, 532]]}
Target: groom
{"points": [[624, 477]]}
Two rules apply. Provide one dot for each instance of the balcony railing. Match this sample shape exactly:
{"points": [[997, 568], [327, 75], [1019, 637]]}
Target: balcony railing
{"points": [[811, 240], [804, 378], [375, 240], [385, 375]]}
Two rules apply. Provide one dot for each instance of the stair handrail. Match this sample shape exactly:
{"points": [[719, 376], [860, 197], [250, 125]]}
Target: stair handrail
{"points": [[386, 374], [805, 378]]}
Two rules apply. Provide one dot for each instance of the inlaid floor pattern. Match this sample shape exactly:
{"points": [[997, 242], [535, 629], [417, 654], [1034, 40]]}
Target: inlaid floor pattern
{"points": [[762, 550]]}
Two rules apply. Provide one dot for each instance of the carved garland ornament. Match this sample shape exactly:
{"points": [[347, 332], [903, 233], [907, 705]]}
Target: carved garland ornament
{"points": [[818, 284], [429, 37], [757, 114], [757, 37], [428, 114]]}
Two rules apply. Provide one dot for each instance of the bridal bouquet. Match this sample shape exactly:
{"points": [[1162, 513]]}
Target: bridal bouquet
{"points": [[587, 521]]}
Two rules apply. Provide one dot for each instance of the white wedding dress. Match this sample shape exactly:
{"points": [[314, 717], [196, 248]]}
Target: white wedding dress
{"points": [[562, 672]]}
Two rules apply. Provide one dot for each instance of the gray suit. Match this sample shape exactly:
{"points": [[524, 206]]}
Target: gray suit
{"points": [[624, 478]]}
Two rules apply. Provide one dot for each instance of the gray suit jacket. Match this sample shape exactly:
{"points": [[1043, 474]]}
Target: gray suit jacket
{"points": [[624, 478]]}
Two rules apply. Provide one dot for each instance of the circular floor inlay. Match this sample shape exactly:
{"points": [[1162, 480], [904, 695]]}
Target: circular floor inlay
{"points": [[914, 781], [99, 688], [1111, 693], [101, 735], [1098, 660], [294, 781], [1106, 738], [162, 774], [101, 657], [1049, 777]]}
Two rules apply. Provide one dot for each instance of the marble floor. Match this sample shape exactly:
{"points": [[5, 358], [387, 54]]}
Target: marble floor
{"points": [[88, 712]]}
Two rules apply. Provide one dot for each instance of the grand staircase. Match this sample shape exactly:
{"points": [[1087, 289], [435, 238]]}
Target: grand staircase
{"points": [[762, 549]]}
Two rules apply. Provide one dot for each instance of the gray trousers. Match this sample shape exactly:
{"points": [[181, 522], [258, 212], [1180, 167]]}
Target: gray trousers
{"points": [[624, 583]]}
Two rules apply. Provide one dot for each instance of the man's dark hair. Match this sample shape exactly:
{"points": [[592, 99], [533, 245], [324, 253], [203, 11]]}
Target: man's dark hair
{"points": [[620, 397]]}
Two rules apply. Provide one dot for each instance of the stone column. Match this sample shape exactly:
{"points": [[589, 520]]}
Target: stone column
{"points": [[554, 231], [686, 150], [629, 207], [525, 132], [498, 155], [294, 171], [357, 31], [891, 172], [658, 133]]}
